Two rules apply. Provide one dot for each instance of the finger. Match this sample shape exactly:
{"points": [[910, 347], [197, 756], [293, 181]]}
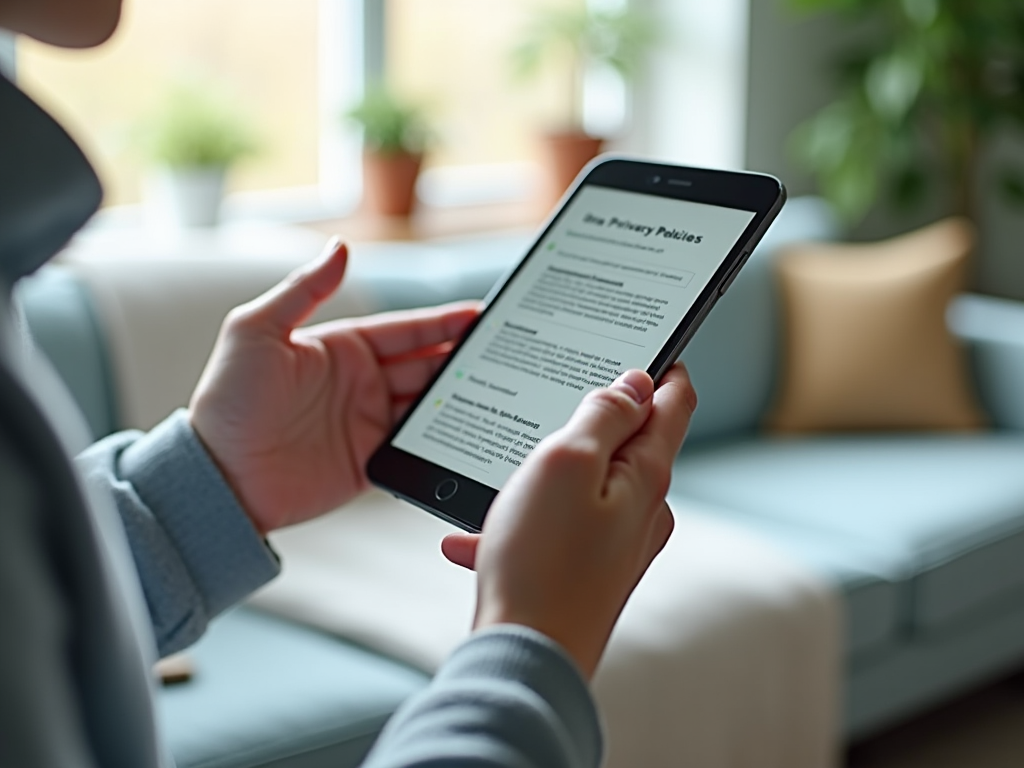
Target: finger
{"points": [[674, 403], [399, 407], [285, 306], [609, 417], [396, 334], [460, 548], [645, 462]]}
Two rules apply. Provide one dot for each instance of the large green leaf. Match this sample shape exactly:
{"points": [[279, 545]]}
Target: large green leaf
{"points": [[196, 125], [893, 84], [919, 99], [390, 125], [616, 38]]}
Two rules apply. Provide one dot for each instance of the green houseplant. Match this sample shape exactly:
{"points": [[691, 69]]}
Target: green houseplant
{"points": [[578, 38], [927, 87], [192, 140], [395, 134]]}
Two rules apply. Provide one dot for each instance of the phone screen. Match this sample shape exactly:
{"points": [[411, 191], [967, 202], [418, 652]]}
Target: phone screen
{"points": [[601, 293]]}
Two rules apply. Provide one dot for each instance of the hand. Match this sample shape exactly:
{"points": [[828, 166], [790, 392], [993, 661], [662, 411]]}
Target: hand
{"points": [[575, 528], [290, 415]]}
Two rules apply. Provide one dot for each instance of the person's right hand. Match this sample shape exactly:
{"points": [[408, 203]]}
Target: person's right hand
{"points": [[575, 528]]}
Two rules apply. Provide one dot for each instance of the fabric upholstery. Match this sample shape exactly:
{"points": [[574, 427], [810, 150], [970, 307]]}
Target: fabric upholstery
{"points": [[868, 581], [63, 325], [995, 330], [866, 342], [267, 691], [914, 677], [941, 515]]}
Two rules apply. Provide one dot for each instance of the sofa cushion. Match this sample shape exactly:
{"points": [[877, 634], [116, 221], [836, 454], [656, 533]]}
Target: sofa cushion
{"points": [[867, 345], [871, 594], [733, 356], [941, 515], [269, 692]]}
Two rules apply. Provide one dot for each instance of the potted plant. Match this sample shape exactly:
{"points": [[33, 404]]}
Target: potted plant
{"points": [[580, 38], [192, 140], [394, 137], [921, 99]]}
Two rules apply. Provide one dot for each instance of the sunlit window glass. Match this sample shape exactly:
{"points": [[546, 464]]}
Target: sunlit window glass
{"points": [[453, 57], [261, 55]]}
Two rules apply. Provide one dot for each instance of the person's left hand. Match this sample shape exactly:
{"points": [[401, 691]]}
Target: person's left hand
{"points": [[291, 416]]}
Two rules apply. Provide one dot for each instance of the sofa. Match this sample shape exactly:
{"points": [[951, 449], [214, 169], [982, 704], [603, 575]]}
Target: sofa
{"points": [[921, 535]]}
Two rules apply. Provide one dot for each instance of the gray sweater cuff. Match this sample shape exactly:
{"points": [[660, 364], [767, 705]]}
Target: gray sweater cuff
{"points": [[177, 480], [509, 696], [518, 653]]}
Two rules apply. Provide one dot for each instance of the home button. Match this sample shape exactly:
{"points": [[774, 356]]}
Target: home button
{"points": [[446, 489]]}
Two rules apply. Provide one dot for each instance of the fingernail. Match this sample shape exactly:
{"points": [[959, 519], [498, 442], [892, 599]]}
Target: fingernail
{"points": [[636, 384], [332, 245]]}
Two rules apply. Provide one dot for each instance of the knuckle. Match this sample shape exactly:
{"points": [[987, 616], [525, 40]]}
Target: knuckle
{"points": [[571, 455], [238, 317]]}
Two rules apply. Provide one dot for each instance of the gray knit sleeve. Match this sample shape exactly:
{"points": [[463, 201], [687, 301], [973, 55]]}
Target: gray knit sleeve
{"points": [[196, 551], [508, 697]]}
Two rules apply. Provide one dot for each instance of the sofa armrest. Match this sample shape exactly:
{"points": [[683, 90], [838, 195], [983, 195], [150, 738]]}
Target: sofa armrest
{"points": [[994, 330], [64, 326]]}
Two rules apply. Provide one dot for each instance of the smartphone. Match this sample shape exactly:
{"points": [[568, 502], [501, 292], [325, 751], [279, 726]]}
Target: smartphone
{"points": [[621, 276]]}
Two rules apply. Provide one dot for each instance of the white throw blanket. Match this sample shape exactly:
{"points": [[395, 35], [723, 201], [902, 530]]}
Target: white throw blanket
{"points": [[727, 655]]}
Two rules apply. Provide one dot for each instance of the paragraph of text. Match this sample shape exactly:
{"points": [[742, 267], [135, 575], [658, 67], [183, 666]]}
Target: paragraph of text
{"points": [[563, 292], [518, 347]]}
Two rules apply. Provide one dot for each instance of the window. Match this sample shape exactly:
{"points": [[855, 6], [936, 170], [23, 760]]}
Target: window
{"points": [[452, 57], [278, 61], [295, 66]]}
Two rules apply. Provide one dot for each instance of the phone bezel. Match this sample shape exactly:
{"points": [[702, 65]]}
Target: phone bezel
{"points": [[415, 479]]}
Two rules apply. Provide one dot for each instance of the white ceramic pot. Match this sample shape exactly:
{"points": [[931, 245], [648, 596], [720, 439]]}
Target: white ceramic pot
{"points": [[183, 198]]}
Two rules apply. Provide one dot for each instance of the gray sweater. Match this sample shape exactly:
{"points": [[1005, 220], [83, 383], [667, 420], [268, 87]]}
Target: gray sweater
{"points": [[133, 548]]}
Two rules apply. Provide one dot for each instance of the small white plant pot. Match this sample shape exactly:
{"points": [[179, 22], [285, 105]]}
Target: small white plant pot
{"points": [[185, 198]]}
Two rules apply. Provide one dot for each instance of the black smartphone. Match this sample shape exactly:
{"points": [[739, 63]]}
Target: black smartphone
{"points": [[621, 276]]}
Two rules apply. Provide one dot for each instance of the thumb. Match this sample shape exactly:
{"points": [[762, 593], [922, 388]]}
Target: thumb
{"points": [[285, 306], [460, 548], [613, 415]]}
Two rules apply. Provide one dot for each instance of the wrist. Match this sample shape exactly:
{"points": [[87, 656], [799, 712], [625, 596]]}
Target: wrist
{"points": [[580, 642], [229, 480]]}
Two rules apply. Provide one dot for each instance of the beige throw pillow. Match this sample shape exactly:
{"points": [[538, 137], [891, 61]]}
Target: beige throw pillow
{"points": [[866, 344]]}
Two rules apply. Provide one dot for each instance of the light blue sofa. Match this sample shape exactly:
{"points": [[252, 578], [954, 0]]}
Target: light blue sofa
{"points": [[921, 535]]}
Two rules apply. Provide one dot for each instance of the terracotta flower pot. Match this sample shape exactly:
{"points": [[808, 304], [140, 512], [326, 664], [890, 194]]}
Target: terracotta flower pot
{"points": [[389, 182], [565, 154]]}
